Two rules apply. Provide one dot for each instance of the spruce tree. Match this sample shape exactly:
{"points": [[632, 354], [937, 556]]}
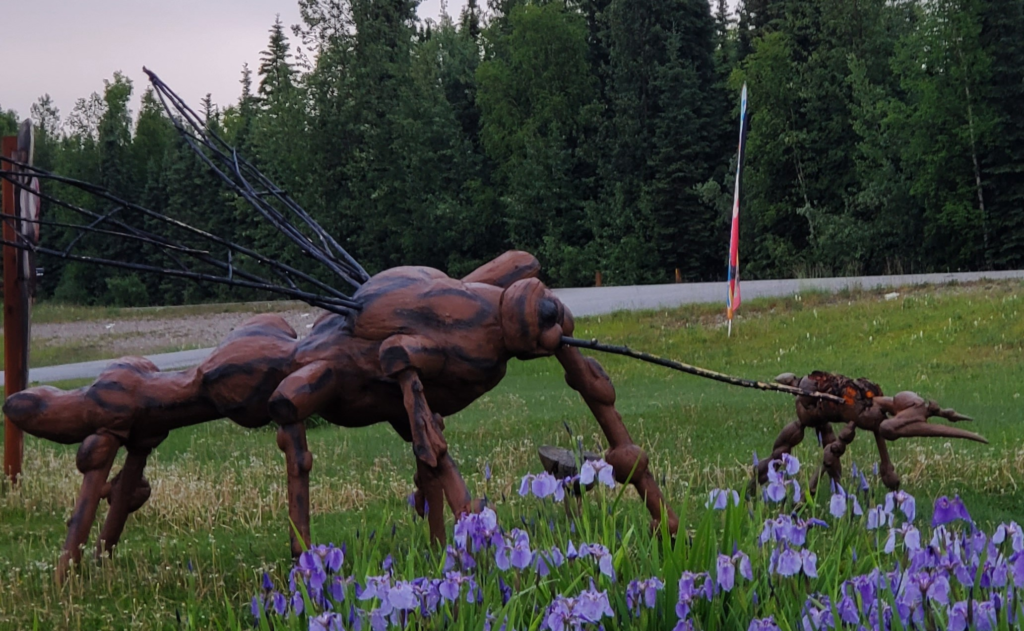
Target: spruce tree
{"points": [[1002, 161]]}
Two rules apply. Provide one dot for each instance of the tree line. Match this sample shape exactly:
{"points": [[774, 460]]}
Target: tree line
{"points": [[885, 136]]}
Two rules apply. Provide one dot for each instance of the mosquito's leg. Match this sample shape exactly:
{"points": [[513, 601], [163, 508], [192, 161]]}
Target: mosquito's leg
{"points": [[95, 457], [128, 492], [586, 376]]}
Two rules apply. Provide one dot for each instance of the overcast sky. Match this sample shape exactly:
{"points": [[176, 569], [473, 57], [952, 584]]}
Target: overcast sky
{"points": [[66, 48]]}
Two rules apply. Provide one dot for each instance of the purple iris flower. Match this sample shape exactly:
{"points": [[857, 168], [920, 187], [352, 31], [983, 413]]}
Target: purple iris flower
{"points": [[947, 510], [556, 557], [545, 485], [809, 561], [593, 605], [687, 594], [330, 556], [521, 554], [256, 607], [1017, 569], [934, 587], [506, 591], [790, 464], [570, 551], [840, 501], [727, 567], [326, 622], [718, 499], [572, 613], [376, 587], [378, 620], [984, 617], [878, 517], [560, 615], [818, 614], [475, 531], [451, 587], [847, 608], [487, 471], [1011, 531], [311, 569], [268, 585], [279, 602], [401, 596], [541, 485], [910, 608], [911, 538], [764, 624], [602, 555], [903, 501], [298, 605], [995, 573], [878, 620], [643, 592], [690, 590], [598, 469], [790, 562], [776, 489], [782, 529], [866, 586], [428, 593]]}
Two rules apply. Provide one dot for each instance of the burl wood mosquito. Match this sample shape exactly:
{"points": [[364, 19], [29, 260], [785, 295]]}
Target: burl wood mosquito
{"points": [[408, 346]]}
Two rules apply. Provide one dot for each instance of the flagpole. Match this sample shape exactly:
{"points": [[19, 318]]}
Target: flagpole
{"points": [[733, 302]]}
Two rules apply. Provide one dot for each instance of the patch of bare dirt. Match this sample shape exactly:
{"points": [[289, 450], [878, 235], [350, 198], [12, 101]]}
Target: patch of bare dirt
{"points": [[118, 337]]}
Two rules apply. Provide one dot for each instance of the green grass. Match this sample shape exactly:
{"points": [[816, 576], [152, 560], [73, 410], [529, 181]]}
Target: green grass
{"points": [[48, 312], [218, 498]]}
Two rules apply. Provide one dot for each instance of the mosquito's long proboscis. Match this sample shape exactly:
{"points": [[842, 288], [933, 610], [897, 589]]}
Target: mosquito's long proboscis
{"points": [[696, 370]]}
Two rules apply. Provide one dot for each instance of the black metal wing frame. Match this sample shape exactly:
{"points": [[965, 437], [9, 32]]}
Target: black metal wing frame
{"points": [[193, 263]]}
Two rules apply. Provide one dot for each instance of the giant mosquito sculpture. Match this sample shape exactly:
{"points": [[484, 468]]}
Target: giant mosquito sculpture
{"points": [[409, 347]]}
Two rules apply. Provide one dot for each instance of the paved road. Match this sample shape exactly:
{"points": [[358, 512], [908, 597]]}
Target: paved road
{"points": [[586, 301]]}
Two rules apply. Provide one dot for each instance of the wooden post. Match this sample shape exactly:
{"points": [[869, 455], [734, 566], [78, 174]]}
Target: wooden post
{"points": [[597, 278], [679, 276], [15, 319]]}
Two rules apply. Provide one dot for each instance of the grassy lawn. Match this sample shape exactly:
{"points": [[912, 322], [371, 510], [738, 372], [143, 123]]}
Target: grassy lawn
{"points": [[217, 518]]}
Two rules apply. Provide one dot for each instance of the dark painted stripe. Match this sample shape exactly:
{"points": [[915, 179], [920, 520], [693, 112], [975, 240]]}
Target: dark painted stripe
{"points": [[96, 396], [520, 272]]}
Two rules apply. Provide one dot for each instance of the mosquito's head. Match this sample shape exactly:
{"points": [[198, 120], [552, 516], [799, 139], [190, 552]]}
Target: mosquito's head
{"points": [[533, 319]]}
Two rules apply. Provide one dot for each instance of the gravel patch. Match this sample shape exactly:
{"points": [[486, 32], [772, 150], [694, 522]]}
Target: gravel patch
{"points": [[119, 337]]}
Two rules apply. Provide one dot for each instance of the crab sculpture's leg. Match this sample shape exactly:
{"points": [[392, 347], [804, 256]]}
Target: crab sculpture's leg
{"points": [[126, 493], [408, 359], [886, 470], [913, 422], [94, 459], [298, 396], [586, 376], [826, 437], [833, 452]]}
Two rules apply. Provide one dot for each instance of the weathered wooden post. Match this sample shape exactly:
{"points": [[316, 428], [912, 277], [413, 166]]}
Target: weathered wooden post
{"points": [[19, 270]]}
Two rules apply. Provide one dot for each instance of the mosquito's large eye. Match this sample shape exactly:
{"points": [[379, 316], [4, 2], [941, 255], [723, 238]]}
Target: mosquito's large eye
{"points": [[547, 313]]}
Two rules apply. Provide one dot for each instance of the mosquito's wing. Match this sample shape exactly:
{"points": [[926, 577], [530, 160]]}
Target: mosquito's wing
{"points": [[171, 244], [273, 204]]}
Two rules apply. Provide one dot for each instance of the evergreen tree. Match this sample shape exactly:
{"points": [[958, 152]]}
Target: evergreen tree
{"points": [[945, 125], [665, 138], [1002, 160], [534, 95]]}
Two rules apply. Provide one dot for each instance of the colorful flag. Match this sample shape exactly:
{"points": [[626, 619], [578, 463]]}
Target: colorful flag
{"points": [[733, 302]]}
